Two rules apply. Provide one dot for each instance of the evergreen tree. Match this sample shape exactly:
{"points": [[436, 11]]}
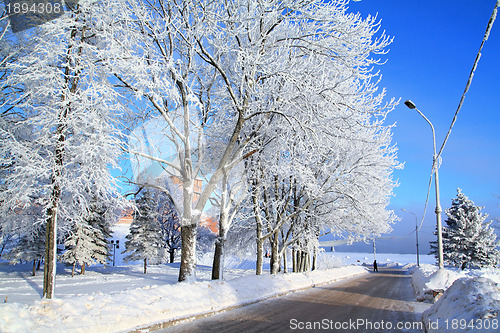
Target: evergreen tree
{"points": [[145, 241], [468, 239], [87, 243], [79, 247], [97, 220]]}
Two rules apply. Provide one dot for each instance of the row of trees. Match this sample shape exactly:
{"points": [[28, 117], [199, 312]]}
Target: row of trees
{"points": [[274, 105]]}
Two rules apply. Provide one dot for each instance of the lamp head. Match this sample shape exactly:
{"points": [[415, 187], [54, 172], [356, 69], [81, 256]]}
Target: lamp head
{"points": [[410, 104]]}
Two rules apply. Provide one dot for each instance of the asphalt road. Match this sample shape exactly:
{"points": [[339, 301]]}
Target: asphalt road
{"points": [[374, 302]]}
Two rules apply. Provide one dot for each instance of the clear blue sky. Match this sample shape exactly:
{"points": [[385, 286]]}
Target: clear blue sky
{"points": [[435, 44]]}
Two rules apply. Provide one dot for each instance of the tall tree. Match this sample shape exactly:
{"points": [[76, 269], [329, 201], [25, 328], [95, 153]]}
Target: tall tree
{"points": [[62, 137], [467, 238]]}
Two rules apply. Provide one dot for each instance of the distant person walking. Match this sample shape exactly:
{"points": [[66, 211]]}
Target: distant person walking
{"points": [[375, 267]]}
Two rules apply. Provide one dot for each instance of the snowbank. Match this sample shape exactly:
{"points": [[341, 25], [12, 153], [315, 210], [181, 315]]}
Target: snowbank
{"points": [[427, 278], [130, 309], [470, 301], [469, 305]]}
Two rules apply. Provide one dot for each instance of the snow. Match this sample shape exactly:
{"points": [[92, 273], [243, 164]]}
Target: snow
{"points": [[122, 298], [108, 310], [478, 300], [470, 301]]}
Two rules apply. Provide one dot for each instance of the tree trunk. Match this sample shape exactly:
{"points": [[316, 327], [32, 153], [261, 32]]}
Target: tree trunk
{"points": [[260, 255], [294, 261], [73, 269], [284, 262], [275, 258], [303, 257], [82, 271], [315, 257], [49, 269], [34, 267], [307, 261], [217, 265], [188, 255], [172, 255], [145, 265]]}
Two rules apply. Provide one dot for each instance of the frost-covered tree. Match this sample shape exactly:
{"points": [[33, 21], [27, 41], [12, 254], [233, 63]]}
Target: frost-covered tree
{"points": [[334, 167], [61, 139], [79, 247], [169, 224], [145, 241], [30, 246], [87, 242], [235, 66], [468, 240]]}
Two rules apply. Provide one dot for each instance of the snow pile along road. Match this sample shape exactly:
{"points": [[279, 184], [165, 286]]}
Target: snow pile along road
{"points": [[470, 301], [143, 307], [427, 278], [469, 305]]}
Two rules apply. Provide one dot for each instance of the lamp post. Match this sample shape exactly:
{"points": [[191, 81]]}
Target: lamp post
{"points": [[435, 168], [116, 244], [416, 233]]}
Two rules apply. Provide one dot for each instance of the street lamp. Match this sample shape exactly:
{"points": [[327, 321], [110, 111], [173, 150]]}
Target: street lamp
{"points": [[416, 233], [435, 168], [116, 245]]}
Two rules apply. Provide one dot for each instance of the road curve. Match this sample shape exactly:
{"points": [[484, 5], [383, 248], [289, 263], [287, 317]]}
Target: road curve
{"points": [[374, 302]]}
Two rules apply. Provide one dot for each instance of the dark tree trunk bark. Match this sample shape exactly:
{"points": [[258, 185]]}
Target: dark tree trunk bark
{"points": [[315, 257], [34, 267], [49, 270], [217, 263], [145, 265], [82, 271], [294, 261], [172, 256]]}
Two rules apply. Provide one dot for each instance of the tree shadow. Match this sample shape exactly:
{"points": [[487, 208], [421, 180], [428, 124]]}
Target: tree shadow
{"points": [[30, 281]]}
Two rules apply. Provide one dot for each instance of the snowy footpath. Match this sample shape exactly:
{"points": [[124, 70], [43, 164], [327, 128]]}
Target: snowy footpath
{"points": [[132, 309], [465, 301]]}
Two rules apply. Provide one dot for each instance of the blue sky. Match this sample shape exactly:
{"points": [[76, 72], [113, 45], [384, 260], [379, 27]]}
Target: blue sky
{"points": [[435, 44]]}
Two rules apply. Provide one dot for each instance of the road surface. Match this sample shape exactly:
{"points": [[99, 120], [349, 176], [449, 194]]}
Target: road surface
{"points": [[374, 302]]}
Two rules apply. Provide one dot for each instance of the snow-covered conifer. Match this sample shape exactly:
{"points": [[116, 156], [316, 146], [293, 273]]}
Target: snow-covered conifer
{"points": [[145, 241], [468, 240], [87, 241]]}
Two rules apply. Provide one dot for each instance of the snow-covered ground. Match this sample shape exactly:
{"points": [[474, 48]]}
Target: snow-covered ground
{"points": [[470, 302], [121, 299]]}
